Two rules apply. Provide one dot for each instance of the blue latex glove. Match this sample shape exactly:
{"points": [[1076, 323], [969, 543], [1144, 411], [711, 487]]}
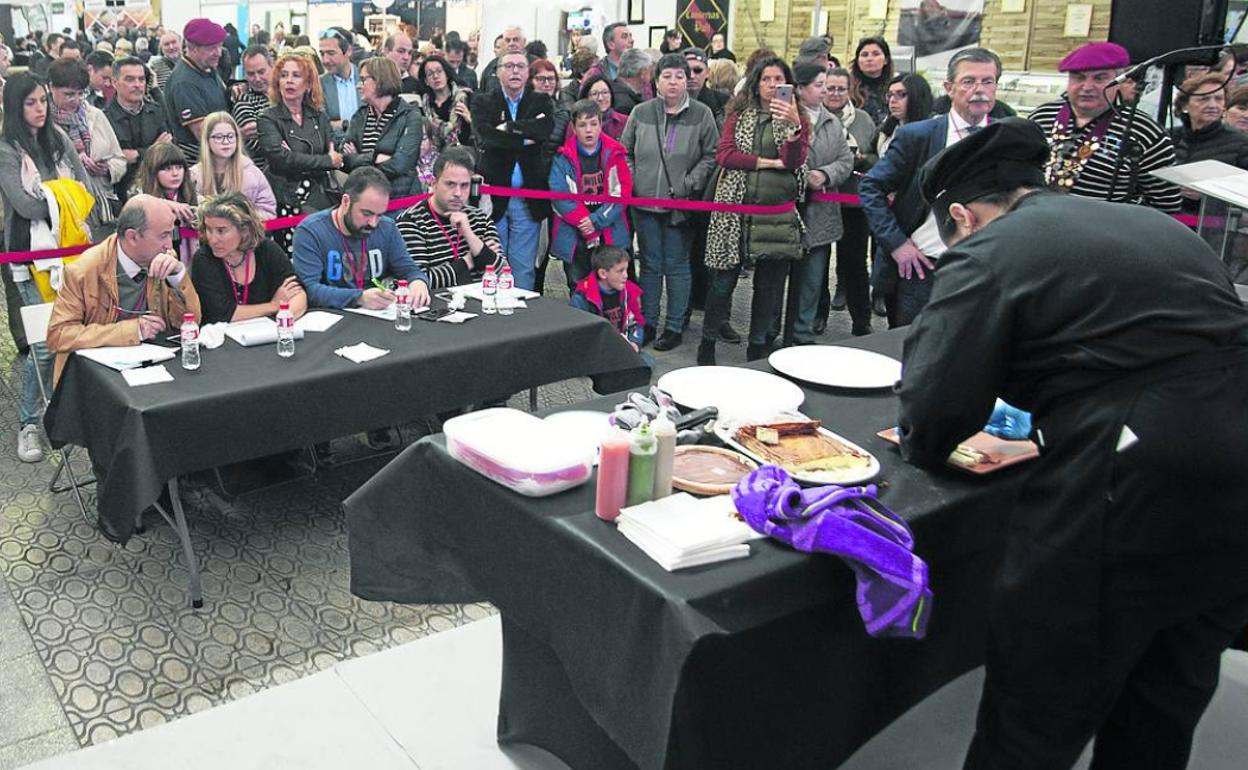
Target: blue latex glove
{"points": [[1008, 422]]}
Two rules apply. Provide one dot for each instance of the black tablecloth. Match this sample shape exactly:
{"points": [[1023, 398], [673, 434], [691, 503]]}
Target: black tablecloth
{"points": [[247, 402], [761, 662]]}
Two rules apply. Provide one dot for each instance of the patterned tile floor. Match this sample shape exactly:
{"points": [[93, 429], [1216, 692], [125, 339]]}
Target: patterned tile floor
{"points": [[97, 640]]}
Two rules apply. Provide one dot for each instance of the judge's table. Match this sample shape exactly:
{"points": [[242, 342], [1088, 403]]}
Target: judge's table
{"points": [[611, 662], [246, 402]]}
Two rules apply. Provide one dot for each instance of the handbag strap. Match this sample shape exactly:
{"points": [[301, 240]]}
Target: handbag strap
{"points": [[658, 134]]}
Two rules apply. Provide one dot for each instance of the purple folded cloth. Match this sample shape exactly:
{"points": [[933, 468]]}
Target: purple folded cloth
{"points": [[893, 597]]}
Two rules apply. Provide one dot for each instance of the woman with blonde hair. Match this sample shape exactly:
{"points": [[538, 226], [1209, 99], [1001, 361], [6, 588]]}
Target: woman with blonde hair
{"points": [[296, 140], [723, 75], [238, 271], [224, 166]]}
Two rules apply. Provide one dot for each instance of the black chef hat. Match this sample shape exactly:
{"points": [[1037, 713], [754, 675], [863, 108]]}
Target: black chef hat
{"points": [[1001, 157]]}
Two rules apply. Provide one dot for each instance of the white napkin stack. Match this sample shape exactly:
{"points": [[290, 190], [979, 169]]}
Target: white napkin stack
{"points": [[360, 352], [684, 531]]}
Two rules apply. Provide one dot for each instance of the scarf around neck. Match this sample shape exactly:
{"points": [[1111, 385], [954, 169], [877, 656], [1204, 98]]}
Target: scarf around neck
{"points": [[74, 123]]}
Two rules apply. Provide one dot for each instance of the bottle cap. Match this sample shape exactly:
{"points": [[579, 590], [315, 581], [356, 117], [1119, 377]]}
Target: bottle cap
{"points": [[283, 306], [402, 283], [506, 268], [188, 317]]}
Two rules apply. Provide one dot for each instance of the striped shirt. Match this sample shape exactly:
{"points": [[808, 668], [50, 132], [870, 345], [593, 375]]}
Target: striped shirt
{"points": [[1095, 179], [163, 69], [375, 126], [434, 244], [246, 110]]}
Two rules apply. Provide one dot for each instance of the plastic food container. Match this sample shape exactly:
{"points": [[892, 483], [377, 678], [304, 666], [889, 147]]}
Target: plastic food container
{"points": [[519, 451]]}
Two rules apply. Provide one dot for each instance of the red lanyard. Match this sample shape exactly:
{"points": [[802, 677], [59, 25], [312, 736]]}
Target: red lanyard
{"points": [[241, 293], [346, 255], [458, 235]]}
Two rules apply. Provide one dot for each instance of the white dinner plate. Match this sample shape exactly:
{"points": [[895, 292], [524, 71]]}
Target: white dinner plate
{"points": [[726, 430], [737, 393], [582, 426], [836, 366]]}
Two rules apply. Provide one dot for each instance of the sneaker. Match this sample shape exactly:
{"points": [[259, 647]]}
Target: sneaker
{"points": [[668, 340], [29, 444]]}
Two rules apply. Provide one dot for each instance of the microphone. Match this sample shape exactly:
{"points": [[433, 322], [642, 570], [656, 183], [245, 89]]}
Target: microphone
{"points": [[1202, 54]]}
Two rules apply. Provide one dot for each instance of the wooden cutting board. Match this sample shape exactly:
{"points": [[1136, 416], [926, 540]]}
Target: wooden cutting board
{"points": [[997, 453]]}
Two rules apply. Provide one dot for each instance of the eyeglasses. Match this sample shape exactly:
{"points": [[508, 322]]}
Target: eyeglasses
{"points": [[545, 79], [896, 95], [223, 138], [837, 89], [697, 70], [515, 66], [969, 83]]}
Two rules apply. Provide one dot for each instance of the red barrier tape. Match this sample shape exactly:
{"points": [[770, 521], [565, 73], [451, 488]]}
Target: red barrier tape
{"points": [[283, 223]]}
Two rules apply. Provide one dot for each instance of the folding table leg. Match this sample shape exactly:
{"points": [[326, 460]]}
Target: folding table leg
{"points": [[178, 522], [533, 399]]}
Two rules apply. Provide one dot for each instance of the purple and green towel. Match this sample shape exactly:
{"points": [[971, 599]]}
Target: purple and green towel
{"points": [[893, 596]]}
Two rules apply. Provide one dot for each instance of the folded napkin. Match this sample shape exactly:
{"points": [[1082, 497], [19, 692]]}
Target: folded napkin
{"points": [[317, 321], [147, 375], [893, 595], [361, 352], [683, 531]]}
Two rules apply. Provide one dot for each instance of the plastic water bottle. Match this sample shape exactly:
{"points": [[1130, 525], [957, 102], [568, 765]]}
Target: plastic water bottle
{"points": [[190, 342], [403, 308], [506, 286], [489, 291], [285, 331]]}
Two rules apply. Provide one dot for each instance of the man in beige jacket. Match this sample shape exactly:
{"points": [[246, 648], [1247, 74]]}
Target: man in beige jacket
{"points": [[128, 288]]}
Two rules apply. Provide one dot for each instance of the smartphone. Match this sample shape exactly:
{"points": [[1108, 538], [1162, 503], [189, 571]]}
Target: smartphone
{"points": [[784, 92]]}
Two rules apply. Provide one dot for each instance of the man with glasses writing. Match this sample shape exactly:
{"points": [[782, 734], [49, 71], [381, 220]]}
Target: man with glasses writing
{"points": [[510, 123], [195, 90], [905, 232], [1087, 135]]}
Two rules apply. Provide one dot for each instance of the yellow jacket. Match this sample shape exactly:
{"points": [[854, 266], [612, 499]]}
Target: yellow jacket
{"points": [[73, 204]]}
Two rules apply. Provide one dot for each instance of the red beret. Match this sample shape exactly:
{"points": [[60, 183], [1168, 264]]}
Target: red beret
{"points": [[1096, 56], [203, 32]]}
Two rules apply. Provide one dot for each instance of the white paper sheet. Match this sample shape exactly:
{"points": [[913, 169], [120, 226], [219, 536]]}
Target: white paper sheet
{"points": [[147, 375], [256, 331], [457, 317], [360, 352], [317, 321], [129, 356]]}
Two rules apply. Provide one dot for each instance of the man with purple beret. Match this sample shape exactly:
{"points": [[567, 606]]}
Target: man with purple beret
{"points": [[1086, 134], [195, 90]]}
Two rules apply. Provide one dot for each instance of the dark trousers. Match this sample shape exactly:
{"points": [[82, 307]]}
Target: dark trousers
{"points": [[1152, 685], [765, 305], [851, 269], [699, 274], [909, 297]]}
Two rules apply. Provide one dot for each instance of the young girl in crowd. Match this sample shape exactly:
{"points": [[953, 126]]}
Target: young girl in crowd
{"points": [[163, 173], [224, 166]]}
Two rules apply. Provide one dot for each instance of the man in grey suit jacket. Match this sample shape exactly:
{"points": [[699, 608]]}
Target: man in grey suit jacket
{"points": [[341, 81]]}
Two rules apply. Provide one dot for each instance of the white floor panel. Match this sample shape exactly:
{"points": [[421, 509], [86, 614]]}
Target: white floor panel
{"points": [[438, 698], [309, 724]]}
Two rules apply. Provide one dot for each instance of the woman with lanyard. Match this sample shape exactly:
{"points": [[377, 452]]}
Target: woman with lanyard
{"points": [[32, 149], [448, 121], [763, 154], [385, 132], [238, 272], [295, 139], [872, 71]]}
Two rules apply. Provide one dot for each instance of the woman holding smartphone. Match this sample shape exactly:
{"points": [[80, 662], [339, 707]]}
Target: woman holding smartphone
{"points": [[763, 154]]}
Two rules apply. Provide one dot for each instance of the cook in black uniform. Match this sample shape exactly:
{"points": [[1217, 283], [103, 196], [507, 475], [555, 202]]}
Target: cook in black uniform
{"points": [[1126, 568]]}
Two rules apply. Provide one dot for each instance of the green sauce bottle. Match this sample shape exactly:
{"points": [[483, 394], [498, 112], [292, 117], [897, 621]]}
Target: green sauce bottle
{"points": [[642, 451]]}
